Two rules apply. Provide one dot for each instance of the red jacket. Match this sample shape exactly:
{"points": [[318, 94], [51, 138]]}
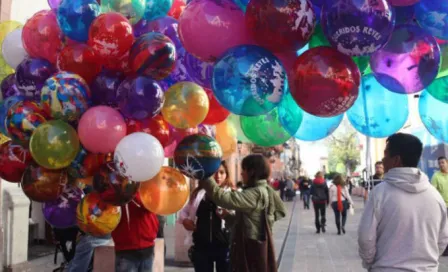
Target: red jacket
{"points": [[141, 229]]}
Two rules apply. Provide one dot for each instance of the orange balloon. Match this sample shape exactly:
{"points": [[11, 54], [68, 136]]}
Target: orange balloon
{"points": [[96, 217], [166, 193], [226, 137]]}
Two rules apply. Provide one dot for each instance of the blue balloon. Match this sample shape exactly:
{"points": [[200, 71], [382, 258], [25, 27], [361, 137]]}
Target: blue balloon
{"points": [[156, 9], [432, 15], [378, 112], [76, 16], [433, 115], [249, 80], [5, 105], [312, 128], [242, 4], [404, 15]]}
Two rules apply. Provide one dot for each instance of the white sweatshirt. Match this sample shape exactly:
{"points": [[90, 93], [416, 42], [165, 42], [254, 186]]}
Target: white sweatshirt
{"points": [[404, 225], [334, 194]]}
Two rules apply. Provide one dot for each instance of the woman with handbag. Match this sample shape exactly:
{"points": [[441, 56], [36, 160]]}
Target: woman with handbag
{"points": [[210, 234], [340, 202], [257, 207]]}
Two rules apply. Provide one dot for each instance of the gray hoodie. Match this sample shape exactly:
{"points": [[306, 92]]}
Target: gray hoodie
{"points": [[404, 224]]}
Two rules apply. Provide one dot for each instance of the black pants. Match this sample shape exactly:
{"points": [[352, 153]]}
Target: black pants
{"points": [[338, 214], [320, 209], [204, 260]]}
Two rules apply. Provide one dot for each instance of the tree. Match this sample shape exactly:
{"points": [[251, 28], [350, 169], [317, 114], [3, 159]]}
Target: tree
{"points": [[344, 149]]}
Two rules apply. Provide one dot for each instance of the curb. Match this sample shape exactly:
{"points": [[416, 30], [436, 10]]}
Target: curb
{"points": [[282, 249]]}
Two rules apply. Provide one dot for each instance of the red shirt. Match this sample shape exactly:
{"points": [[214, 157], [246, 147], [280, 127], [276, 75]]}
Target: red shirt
{"points": [[141, 229]]}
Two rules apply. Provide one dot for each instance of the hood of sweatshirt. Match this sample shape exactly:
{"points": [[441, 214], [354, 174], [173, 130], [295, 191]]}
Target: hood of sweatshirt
{"points": [[319, 181], [408, 179]]}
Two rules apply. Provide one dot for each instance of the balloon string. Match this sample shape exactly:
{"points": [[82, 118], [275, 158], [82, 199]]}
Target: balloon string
{"points": [[128, 217]]}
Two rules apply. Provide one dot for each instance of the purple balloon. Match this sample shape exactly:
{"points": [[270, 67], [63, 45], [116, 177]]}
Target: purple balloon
{"points": [[180, 72], [409, 62], [8, 86], [31, 75], [201, 72], [165, 25], [358, 28], [104, 88], [140, 97], [61, 213]]}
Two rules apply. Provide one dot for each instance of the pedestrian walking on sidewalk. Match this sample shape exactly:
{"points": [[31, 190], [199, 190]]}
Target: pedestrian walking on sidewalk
{"points": [[320, 197], [210, 233], [340, 202], [305, 188], [440, 182], [257, 207], [404, 224]]}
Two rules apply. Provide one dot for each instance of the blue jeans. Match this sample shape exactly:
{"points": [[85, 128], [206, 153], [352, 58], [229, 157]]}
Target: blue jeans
{"points": [[123, 264], [306, 199], [204, 260], [84, 252]]}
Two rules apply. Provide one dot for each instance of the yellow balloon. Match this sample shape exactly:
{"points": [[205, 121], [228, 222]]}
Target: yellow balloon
{"points": [[166, 193], [186, 105], [226, 137], [6, 27]]}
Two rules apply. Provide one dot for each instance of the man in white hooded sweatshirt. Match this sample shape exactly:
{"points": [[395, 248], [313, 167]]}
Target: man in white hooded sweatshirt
{"points": [[404, 225]]}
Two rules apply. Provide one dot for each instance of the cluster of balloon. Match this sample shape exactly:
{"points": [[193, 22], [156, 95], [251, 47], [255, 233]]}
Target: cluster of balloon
{"points": [[102, 92]]}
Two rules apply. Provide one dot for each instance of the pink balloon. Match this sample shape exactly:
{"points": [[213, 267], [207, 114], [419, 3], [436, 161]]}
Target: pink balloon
{"points": [[177, 135], [209, 28], [100, 129], [402, 3]]}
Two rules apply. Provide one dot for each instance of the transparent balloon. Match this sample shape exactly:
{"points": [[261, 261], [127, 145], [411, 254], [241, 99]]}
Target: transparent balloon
{"points": [[430, 110], [378, 112]]}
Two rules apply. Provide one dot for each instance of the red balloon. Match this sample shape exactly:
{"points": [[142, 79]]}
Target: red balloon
{"points": [[120, 65], [325, 82], [216, 113], [13, 161], [281, 25], [42, 37], [80, 59], [156, 126], [287, 59], [177, 8], [110, 36]]}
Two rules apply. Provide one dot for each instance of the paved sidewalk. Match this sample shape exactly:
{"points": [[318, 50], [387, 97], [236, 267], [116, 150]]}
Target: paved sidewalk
{"points": [[279, 233], [307, 251]]}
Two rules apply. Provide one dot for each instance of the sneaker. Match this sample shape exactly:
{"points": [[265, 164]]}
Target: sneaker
{"points": [[323, 229]]}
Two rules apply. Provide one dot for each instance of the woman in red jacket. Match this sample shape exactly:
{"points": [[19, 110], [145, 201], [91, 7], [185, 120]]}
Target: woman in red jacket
{"points": [[134, 238]]}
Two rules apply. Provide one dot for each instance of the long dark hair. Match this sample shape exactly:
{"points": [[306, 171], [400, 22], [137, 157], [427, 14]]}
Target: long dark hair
{"points": [[227, 183], [257, 168]]}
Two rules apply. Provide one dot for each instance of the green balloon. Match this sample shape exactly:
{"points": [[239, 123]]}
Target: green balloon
{"points": [[234, 121], [54, 144], [265, 130], [319, 39], [290, 114], [439, 89], [444, 64], [131, 9]]}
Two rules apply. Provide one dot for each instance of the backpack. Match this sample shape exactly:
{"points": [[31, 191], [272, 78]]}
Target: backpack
{"points": [[319, 193]]}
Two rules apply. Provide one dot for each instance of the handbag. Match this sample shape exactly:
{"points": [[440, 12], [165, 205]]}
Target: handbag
{"points": [[249, 255]]}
